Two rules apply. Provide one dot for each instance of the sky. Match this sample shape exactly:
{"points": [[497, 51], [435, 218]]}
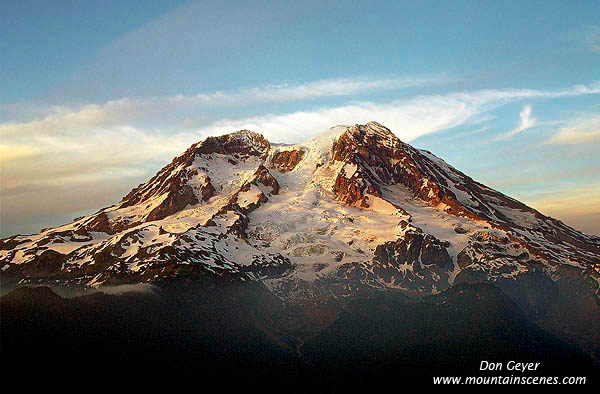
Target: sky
{"points": [[96, 97]]}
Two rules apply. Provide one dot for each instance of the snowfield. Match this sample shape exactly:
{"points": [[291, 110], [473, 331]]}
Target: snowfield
{"points": [[352, 202]]}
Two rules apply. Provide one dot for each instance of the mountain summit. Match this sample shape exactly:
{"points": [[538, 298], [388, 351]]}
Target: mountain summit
{"points": [[351, 212], [354, 204]]}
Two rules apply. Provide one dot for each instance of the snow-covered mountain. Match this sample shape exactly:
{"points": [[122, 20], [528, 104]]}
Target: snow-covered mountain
{"points": [[354, 206]]}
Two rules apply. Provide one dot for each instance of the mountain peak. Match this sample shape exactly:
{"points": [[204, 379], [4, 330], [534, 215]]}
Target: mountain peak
{"points": [[245, 135], [372, 129], [350, 211], [242, 142], [354, 201]]}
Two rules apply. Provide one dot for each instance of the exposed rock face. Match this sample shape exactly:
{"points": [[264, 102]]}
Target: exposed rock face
{"points": [[268, 267], [263, 176], [352, 190], [380, 159], [362, 154], [243, 143], [249, 197], [176, 201], [171, 177], [10, 244], [309, 250], [460, 230], [416, 262], [287, 160], [101, 224], [175, 178], [47, 263], [207, 190]]}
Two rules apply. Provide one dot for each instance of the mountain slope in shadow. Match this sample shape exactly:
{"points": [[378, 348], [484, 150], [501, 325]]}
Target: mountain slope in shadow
{"points": [[391, 340], [242, 336]]}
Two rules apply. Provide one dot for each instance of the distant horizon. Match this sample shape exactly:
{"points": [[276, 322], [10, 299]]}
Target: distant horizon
{"points": [[97, 99]]}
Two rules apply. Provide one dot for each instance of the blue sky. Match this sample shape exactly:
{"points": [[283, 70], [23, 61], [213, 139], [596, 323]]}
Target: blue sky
{"points": [[96, 98]]}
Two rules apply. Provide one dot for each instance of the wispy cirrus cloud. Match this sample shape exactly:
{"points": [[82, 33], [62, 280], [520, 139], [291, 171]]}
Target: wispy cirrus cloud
{"points": [[306, 91], [126, 110], [592, 38], [586, 37], [72, 158], [582, 130], [527, 121], [409, 118]]}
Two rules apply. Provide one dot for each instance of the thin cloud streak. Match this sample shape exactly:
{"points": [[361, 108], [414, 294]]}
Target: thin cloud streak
{"points": [[135, 110], [579, 131], [70, 158], [127, 110], [592, 38], [409, 119], [312, 90]]}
